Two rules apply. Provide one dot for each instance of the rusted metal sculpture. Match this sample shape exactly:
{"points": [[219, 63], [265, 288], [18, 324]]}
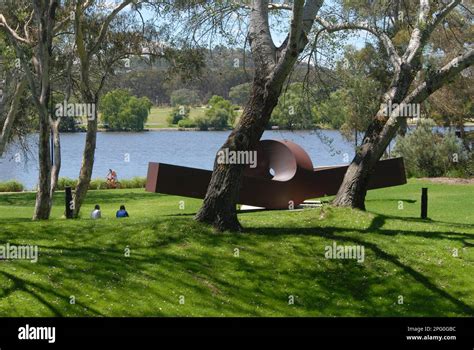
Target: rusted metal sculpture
{"points": [[283, 176]]}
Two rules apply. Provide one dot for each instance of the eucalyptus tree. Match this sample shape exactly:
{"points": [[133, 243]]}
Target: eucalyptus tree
{"points": [[105, 38], [412, 82], [12, 85], [30, 28], [272, 66]]}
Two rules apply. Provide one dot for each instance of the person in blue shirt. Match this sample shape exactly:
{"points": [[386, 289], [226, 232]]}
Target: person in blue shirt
{"points": [[122, 213]]}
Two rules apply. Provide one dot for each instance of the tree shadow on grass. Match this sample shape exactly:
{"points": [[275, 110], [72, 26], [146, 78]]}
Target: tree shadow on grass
{"points": [[391, 200], [29, 287], [251, 285], [423, 221], [336, 234], [379, 221]]}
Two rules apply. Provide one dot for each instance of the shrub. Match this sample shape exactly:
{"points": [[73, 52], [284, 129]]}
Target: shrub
{"points": [[293, 110], [187, 123], [101, 184], [178, 114], [135, 182], [64, 182], [98, 184], [11, 186], [202, 123], [430, 154], [218, 118], [220, 114]]}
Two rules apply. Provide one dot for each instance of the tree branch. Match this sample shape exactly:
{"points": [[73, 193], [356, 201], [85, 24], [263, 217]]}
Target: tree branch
{"points": [[105, 26], [12, 113], [260, 38], [441, 77], [383, 37], [12, 34], [425, 27]]}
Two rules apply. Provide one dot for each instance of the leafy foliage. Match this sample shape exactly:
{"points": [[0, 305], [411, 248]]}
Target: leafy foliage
{"points": [[185, 97], [240, 94], [178, 113], [122, 111], [220, 114], [11, 186], [429, 154]]}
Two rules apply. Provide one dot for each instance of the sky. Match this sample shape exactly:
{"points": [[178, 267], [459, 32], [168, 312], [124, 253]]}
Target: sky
{"points": [[279, 33]]}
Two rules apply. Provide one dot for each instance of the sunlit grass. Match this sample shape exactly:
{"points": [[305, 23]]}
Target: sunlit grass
{"points": [[280, 255]]}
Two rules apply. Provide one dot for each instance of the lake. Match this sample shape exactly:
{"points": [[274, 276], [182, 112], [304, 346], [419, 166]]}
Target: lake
{"points": [[129, 153]]}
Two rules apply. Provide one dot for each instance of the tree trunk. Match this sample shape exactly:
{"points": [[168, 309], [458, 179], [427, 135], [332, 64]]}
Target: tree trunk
{"points": [[353, 189], [56, 155], [219, 207], [11, 115], [87, 166], [43, 194], [272, 68]]}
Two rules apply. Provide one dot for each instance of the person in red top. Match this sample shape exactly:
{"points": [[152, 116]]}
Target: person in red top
{"points": [[112, 178]]}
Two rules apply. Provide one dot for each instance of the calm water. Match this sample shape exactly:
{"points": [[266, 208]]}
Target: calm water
{"points": [[129, 153]]}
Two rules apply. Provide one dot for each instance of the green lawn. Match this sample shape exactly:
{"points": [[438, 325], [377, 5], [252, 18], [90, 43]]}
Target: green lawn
{"points": [[280, 254], [158, 115]]}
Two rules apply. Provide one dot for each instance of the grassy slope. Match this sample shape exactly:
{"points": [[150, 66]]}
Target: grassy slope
{"points": [[281, 254], [158, 115]]}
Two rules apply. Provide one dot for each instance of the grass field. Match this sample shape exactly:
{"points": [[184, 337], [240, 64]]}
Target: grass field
{"points": [[158, 115], [178, 267]]}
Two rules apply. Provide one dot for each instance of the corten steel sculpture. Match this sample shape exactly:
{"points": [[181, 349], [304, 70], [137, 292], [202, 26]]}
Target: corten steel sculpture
{"points": [[284, 176]]}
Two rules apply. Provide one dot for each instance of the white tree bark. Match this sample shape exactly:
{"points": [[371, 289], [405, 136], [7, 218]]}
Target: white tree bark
{"points": [[384, 127], [11, 114], [38, 77]]}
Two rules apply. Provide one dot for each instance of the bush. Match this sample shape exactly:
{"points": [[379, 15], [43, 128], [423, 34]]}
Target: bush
{"points": [[101, 184], [220, 114], [202, 123], [187, 123], [293, 110], [430, 154], [136, 182], [64, 182], [11, 186], [218, 118], [98, 184], [178, 114]]}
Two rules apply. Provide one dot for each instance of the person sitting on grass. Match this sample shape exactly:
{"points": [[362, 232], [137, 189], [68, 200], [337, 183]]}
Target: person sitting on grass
{"points": [[96, 214], [122, 213]]}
